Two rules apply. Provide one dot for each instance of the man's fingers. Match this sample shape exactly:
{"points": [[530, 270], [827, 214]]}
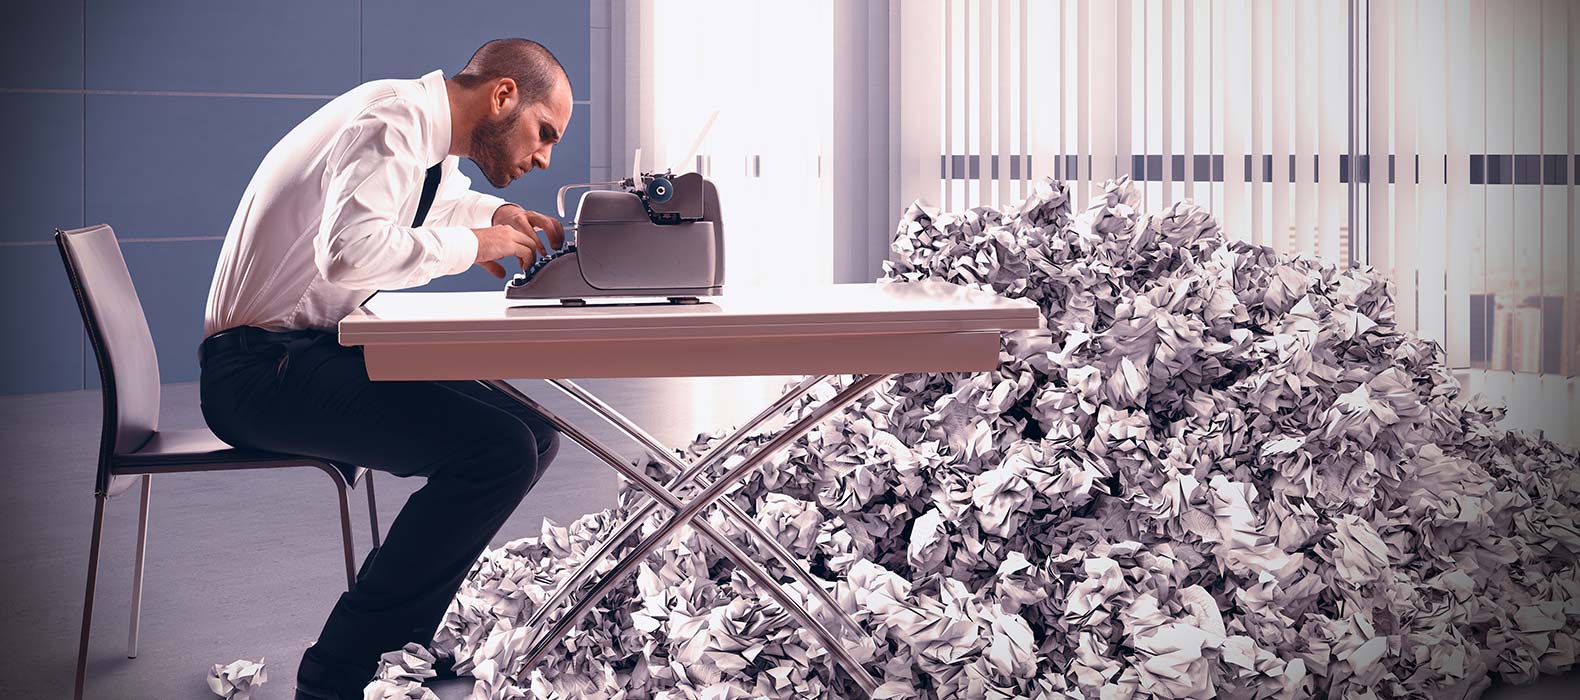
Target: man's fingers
{"points": [[493, 268], [529, 222], [534, 220], [529, 241], [526, 256], [550, 225]]}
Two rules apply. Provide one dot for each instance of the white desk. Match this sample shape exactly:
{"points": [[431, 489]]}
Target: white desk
{"points": [[875, 330], [835, 329]]}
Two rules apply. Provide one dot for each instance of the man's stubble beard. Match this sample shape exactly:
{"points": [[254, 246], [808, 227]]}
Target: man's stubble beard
{"points": [[488, 147]]}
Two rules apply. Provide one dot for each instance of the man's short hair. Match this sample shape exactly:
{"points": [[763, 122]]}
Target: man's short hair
{"points": [[533, 67]]}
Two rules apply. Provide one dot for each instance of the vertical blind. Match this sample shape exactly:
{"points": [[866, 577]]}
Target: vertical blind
{"points": [[1432, 139], [1473, 103], [1214, 100]]}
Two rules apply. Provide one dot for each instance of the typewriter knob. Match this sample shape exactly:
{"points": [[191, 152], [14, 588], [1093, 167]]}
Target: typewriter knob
{"points": [[660, 190]]}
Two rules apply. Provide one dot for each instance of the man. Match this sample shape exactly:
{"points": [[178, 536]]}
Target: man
{"points": [[365, 195]]}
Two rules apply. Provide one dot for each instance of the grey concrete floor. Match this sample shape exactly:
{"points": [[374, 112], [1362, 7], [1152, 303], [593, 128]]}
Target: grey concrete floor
{"points": [[240, 565], [246, 565]]}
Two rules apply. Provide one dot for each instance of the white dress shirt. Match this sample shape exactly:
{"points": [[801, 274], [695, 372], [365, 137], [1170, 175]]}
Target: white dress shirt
{"points": [[326, 220]]}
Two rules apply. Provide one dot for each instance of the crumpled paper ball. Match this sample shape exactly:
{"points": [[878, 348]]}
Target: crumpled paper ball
{"points": [[400, 675], [238, 679], [1215, 471]]}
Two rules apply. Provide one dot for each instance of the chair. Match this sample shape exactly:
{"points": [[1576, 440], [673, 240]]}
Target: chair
{"points": [[131, 447]]}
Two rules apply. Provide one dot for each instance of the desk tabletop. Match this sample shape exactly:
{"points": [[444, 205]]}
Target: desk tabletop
{"points": [[889, 328], [929, 306]]}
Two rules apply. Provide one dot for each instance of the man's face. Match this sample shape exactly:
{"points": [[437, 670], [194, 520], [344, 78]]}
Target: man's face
{"points": [[519, 139]]}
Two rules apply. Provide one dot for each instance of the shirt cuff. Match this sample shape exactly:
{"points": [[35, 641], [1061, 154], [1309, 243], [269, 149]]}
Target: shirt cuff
{"points": [[476, 209], [457, 249]]}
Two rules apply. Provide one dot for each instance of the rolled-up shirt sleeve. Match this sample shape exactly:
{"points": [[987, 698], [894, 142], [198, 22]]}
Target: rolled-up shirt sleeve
{"points": [[457, 204], [372, 169]]}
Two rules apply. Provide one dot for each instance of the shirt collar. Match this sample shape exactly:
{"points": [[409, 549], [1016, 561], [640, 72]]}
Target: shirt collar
{"points": [[438, 116]]}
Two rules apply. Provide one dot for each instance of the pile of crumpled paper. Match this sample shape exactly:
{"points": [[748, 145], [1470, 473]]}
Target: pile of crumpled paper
{"points": [[1217, 471]]}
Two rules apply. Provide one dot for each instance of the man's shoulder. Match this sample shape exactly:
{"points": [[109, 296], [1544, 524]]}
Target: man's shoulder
{"points": [[378, 110], [387, 97]]}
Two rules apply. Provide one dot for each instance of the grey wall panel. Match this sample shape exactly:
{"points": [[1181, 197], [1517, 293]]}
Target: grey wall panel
{"points": [[159, 166], [172, 279], [282, 46], [176, 166], [39, 321], [598, 111], [408, 38], [41, 183], [41, 44]]}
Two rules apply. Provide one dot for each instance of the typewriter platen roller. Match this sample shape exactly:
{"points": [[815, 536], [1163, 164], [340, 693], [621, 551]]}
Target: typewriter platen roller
{"points": [[655, 235]]}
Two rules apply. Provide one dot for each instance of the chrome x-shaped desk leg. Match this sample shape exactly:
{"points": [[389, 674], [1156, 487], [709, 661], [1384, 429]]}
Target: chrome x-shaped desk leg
{"points": [[687, 473], [719, 452], [685, 513]]}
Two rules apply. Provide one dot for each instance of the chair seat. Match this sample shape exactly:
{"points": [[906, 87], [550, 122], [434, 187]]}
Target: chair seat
{"points": [[201, 448]]}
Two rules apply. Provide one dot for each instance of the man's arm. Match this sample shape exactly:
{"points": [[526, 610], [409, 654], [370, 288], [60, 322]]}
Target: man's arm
{"points": [[456, 204], [373, 168]]}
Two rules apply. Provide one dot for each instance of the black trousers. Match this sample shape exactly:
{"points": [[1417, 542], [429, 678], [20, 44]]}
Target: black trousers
{"points": [[304, 393]]}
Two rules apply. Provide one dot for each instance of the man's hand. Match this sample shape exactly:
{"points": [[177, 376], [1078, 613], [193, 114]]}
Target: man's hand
{"points": [[529, 222], [522, 226], [496, 242]]}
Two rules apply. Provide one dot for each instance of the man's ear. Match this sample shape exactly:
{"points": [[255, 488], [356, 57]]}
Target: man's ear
{"points": [[503, 98]]}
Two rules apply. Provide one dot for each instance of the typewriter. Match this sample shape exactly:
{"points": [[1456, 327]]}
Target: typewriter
{"points": [[654, 235]]}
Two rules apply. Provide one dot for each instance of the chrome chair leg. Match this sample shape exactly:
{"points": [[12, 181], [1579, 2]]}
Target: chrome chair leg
{"points": [[373, 508], [87, 599], [345, 533], [137, 571]]}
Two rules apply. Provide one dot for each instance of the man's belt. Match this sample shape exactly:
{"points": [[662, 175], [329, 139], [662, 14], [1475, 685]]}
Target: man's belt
{"points": [[251, 339]]}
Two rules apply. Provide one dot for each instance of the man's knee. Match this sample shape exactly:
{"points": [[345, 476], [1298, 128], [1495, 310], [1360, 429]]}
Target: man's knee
{"points": [[509, 456], [548, 444], [548, 441]]}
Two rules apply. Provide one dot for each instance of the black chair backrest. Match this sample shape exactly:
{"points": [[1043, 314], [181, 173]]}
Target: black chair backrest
{"points": [[113, 315]]}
